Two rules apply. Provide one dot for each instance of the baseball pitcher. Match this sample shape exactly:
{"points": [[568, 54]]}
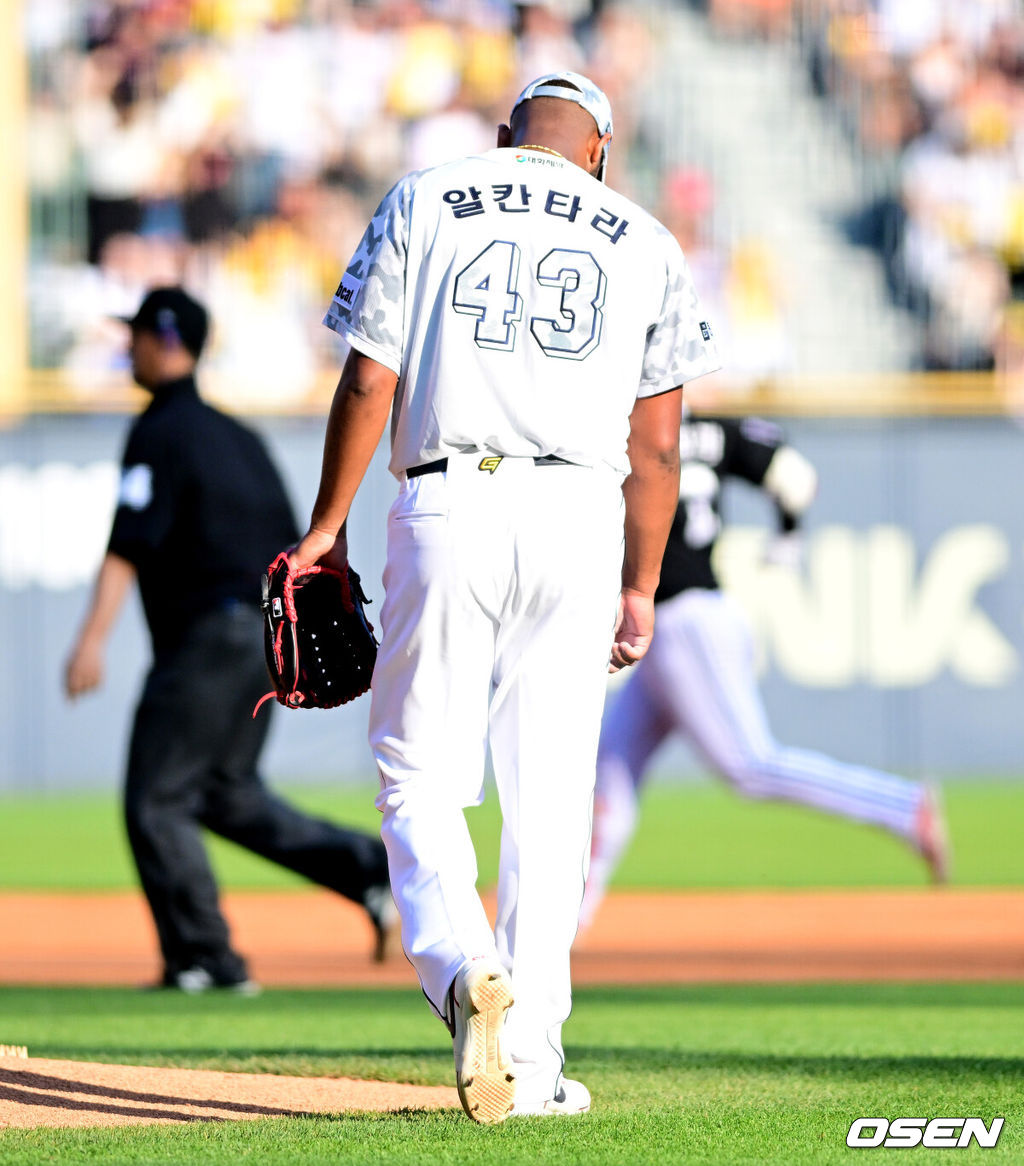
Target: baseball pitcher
{"points": [[528, 329]]}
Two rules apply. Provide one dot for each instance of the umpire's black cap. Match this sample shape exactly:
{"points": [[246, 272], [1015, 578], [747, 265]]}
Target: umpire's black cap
{"points": [[173, 313]]}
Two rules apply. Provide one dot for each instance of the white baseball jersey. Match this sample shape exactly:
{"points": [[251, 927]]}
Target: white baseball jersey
{"points": [[474, 276]]}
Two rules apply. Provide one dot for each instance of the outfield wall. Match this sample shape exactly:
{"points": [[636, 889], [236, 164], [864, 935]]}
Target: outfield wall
{"points": [[900, 644]]}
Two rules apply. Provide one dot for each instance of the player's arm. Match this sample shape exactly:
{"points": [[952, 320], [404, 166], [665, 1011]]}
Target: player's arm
{"points": [[359, 413], [756, 450], [368, 310], [651, 493], [679, 348], [84, 669], [791, 481]]}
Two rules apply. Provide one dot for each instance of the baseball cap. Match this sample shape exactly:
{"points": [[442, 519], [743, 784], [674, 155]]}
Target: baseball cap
{"points": [[172, 312], [583, 92]]}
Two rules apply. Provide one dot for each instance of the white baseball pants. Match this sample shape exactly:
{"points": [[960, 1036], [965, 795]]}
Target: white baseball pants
{"points": [[698, 679], [501, 597]]}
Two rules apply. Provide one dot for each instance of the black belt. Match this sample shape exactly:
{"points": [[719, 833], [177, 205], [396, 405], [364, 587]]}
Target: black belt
{"points": [[441, 464]]}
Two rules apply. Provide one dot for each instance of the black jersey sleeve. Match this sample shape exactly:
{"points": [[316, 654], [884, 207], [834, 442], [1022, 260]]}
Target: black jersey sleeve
{"points": [[755, 442], [151, 484], [750, 446]]}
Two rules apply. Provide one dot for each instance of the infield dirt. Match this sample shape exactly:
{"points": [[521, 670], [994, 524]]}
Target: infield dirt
{"points": [[312, 938]]}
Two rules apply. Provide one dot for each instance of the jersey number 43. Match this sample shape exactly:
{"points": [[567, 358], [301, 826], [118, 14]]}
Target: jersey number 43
{"points": [[566, 293]]}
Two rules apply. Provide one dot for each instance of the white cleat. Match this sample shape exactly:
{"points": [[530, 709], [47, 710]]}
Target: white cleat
{"points": [[571, 1098], [482, 995]]}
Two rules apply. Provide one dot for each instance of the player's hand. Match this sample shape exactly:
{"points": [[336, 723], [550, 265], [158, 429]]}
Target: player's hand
{"points": [[320, 546], [84, 669], [634, 629]]}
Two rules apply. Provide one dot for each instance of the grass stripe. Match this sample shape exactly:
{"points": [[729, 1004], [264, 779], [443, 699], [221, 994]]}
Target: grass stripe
{"points": [[715, 1074], [694, 834]]}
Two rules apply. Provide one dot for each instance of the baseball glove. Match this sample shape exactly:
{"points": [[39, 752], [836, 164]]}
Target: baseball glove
{"points": [[319, 645]]}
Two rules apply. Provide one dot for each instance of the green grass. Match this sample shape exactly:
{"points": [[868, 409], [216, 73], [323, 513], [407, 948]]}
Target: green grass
{"points": [[726, 1074], [697, 834]]}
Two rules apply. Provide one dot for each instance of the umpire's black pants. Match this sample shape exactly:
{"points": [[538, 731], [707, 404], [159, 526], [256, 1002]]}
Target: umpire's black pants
{"points": [[192, 763]]}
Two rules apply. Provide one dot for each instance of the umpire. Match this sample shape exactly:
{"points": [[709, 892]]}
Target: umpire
{"points": [[200, 514]]}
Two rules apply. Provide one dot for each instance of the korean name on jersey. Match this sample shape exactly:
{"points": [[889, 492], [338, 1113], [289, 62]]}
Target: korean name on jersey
{"points": [[522, 259]]}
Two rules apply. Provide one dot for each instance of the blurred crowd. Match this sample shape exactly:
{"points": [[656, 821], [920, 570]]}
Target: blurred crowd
{"points": [[933, 91], [739, 283], [239, 148]]}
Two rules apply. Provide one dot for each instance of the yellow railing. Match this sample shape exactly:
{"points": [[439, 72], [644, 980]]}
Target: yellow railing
{"points": [[875, 395]]}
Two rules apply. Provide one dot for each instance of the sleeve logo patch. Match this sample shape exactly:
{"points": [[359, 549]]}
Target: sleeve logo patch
{"points": [[347, 291], [136, 490], [705, 329]]}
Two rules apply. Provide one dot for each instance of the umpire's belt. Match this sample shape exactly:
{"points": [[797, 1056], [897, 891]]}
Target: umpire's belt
{"points": [[441, 464]]}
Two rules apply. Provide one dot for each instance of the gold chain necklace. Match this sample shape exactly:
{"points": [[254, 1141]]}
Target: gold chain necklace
{"points": [[546, 149]]}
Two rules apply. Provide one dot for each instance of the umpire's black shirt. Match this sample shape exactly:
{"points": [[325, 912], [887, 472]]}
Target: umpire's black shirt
{"points": [[202, 510]]}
